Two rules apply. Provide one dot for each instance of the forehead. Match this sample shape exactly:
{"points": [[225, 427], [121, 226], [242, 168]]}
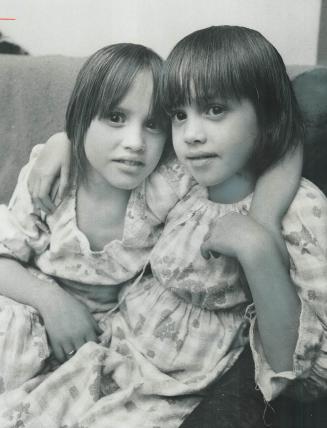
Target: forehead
{"points": [[138, 97], [141, 87]]}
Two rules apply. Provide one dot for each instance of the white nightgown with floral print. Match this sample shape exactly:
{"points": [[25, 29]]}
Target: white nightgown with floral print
{"points": [[64, 255], [182, 327]]}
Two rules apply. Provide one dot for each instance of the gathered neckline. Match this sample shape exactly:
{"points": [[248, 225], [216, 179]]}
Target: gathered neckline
{"points": [[82, 237]]}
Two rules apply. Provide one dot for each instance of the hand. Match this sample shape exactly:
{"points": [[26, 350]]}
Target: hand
{"points": [[69, 324], [46, 189], [230, 235]]}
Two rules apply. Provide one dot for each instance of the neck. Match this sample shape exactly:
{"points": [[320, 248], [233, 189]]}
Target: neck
{"points": [[100, 191], [233, 190]]}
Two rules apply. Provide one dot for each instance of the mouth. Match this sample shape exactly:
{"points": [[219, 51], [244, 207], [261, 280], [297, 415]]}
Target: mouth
{"points": [[200, 159], [130, 162]]}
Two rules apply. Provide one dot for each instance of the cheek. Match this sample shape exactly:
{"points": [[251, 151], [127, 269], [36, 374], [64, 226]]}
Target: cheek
{"points": [[155, 149], [177, 141]]}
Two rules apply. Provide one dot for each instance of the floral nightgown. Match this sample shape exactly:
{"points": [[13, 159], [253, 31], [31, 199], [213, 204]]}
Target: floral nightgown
{"points": [[64, 255], [183, 326]]}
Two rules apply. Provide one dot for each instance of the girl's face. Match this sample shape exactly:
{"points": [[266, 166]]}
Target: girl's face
{"points": [[215, 142], [125, 148]]}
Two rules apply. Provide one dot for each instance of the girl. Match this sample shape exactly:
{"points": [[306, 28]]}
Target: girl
{"points": [[118, 135], [182, 326], [231, 120]]}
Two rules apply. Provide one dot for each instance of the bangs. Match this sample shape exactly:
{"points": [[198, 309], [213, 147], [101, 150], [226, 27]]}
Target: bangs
{"points": [[114, 86], [231, 62], [197, 71], [120, 78], [102, 83]]}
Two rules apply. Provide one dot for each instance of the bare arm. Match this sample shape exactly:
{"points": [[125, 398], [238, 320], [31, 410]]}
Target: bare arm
{"points": [[68, 322], [274, 193], [274, 295]]}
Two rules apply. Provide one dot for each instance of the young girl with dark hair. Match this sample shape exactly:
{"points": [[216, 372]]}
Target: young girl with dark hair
{"points": [[118, 133], [184, 324], [231, 120]]}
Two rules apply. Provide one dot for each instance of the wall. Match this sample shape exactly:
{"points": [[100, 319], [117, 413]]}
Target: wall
{"points": [[79, 27]]}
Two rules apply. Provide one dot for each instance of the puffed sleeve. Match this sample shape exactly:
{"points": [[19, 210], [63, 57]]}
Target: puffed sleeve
{"points": [[305, 234], [166, 186], [20, 235]]}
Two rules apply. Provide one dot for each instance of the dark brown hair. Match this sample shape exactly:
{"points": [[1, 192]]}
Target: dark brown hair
{"points": [[236, 62], [101, 84]]}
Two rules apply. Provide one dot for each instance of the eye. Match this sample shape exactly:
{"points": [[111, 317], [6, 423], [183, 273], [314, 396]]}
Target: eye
{"points": [[215, 110], [153, 125], [117, 117], [178, 115]]}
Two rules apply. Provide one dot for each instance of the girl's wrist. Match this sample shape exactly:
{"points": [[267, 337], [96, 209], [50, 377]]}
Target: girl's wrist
{"points": [[47, 294], [255, 246]]}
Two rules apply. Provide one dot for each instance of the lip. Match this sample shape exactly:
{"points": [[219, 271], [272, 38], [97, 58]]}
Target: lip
{"points": [[201, 155], [201, 159], [130, 162]]}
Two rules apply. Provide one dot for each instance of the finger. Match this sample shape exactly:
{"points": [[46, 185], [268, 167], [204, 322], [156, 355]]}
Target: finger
{"points": [[54, 192], [78, 343], [205, 249], [58, 353], [92, 337], [40, 224], [45, 204], [69, 350], [45, 196], [207, 252], [34, 191], [45, 186], [64, 180], [95, 332], [32, 183]]}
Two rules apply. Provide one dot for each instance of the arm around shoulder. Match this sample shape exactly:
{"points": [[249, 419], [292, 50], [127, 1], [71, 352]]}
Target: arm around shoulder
{"points": [[305, 232], [49, 176]]}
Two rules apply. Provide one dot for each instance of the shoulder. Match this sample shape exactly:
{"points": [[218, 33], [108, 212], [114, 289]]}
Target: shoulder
{"points": [[176, 175], [309, 201], [166, 186], [21, 194], [305, 223]]}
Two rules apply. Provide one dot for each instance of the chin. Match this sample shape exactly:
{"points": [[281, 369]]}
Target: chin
{"points": [[128, 185], [206, 181]]}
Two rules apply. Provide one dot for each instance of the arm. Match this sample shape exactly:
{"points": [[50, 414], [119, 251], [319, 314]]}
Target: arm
{"points": [[51, 163], [272, 289], [68, 322], [274, 295], [305, 233], [274, 192]]}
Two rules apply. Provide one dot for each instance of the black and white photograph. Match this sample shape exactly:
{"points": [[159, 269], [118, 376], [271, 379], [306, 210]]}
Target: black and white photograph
{"points": [[163, 214]]}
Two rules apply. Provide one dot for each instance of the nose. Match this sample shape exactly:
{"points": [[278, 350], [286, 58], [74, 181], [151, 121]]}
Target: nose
{"points": [[134, 138], [194, 132]]}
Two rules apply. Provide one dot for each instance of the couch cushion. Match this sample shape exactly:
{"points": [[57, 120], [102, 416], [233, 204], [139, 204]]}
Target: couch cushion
{"points": [[34, 92]]}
